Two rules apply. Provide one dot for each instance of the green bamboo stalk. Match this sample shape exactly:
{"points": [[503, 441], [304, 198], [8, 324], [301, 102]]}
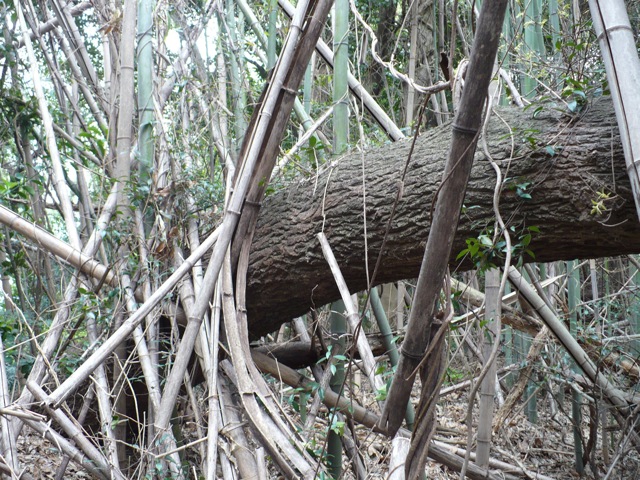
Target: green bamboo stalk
{"points": [[272, 35], [554, 22], [307, 85], [389, 345], [340, 73], [339, 344], [539, 38], [531, 390], [531, 47], [340, 140], [573, 296], [507, 344]]}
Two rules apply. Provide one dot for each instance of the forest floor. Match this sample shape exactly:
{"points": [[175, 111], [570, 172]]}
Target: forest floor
{"points": [[543, 448]]}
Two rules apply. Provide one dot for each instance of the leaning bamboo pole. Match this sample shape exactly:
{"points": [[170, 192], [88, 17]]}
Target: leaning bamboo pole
{"points": [[614, 395], [364, 349], [52, 244], [269, 122], [266, 41], [447, 211]]}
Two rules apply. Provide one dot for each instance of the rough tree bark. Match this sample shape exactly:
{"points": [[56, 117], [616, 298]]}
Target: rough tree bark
{"points": [[566, 159]]}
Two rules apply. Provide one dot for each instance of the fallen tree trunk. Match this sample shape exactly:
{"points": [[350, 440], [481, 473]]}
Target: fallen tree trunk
{"points": [[564, 162]]}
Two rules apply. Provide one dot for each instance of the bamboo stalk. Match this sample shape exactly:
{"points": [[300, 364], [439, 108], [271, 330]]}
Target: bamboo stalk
{"points": [[59, 183], [487, 390], [145, 90], [289, 460], [64, 14], [212, 385], [447, 210], [356, 87], [340, 73], [618, 46], [105, 414], [52, 244], [82, 416], [124, 126], [46, 27], [231, 422], [336, 383], [614, 395], [573, 297], [364, 349], [9, 447]]}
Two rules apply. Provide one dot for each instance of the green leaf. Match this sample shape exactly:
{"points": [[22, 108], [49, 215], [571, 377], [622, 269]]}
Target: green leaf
{"points": [[486, 240]]}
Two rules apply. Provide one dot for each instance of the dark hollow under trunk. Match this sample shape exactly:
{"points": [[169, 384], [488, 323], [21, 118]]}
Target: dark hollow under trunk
{"points": [[564, 161]]}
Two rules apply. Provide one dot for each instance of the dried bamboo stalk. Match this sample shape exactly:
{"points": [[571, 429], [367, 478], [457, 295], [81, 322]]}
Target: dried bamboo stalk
{"points": [[84, 410], [232, 426], [102, 390], [399, 450], [54, 22], [272, 435], [52, 244], [364, 349], [59, 182], [9, 449]]}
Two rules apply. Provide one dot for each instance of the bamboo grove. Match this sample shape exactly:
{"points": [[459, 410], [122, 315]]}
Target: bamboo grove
{"points": [[325, 240]]}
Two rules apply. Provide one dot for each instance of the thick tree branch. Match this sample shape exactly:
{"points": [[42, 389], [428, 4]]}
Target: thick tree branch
{"points": [[566, 161]]}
